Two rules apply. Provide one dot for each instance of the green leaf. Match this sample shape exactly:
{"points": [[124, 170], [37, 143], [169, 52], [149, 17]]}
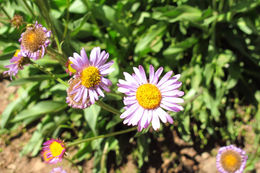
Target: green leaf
{"points": [[78, 7], [43, 107], [12, 107], [150, 38], [35, 78], [173, 14], [244, 6], [175, 48], [211, 104], [33, 144], [91, 113], [109, 16], [6, 56]]}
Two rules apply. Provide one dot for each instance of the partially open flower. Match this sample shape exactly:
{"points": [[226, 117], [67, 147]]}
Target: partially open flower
{"points": [[17, 21], [34, 41], [18, 61], [146, 100], [85, 86], [231, 159], [53, 151]]}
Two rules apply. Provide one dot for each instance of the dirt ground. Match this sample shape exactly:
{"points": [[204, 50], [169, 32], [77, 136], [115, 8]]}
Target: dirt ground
{"points": [[12, 162]]}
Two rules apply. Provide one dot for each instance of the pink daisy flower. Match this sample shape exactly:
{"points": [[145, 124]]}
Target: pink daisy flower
{"points": [[146, 100], [34, 41], [18, 61], [58, 170], [89, 79], [231, 159], [53, 151]]}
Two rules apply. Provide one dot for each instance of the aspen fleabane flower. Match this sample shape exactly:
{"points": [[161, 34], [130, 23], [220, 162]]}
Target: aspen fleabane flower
{"points": [[85, 86], [53, 151], [231, 159], [34, 41], [145, 99], [17, 63]]}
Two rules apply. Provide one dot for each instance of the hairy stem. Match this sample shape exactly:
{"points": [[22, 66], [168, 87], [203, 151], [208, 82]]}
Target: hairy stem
{"points": [[101, 136], [108, 108], [49, 73]]}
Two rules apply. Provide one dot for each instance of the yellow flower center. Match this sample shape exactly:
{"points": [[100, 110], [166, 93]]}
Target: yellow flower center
{"points": [[230, 161], [56, 148], [148, 96], [33, 39], [90, 77], [16, 52]]}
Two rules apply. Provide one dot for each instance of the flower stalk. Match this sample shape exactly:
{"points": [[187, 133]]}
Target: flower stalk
{"points": [[100, 136], [49, 73], [107, 107]]}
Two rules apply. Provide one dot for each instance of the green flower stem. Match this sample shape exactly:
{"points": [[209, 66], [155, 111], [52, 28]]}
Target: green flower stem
{"points": [[101, 136], [49, 73], [107, 107], [67, 20], [29, 8], [7, 15], [56, 54]]}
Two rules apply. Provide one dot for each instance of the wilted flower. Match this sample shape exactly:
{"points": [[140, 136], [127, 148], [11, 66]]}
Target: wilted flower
{"points": [[53, 151], [145, 99], [231, 159], [34, 41], [18, 61], [17, 21], [85, 86], [58, 170]]}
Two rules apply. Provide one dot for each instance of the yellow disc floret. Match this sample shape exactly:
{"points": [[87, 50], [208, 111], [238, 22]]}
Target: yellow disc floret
{"points": [[231, 161], [148, 96], [90, 77], [16, 52], [56, 148]]}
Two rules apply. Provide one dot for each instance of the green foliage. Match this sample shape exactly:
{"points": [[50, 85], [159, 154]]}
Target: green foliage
{"points": [[213, 44]]}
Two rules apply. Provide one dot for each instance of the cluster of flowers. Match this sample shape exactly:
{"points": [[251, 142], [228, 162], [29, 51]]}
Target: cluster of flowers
{"points": [[33, 46], [230, 159], [147, 100]]}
